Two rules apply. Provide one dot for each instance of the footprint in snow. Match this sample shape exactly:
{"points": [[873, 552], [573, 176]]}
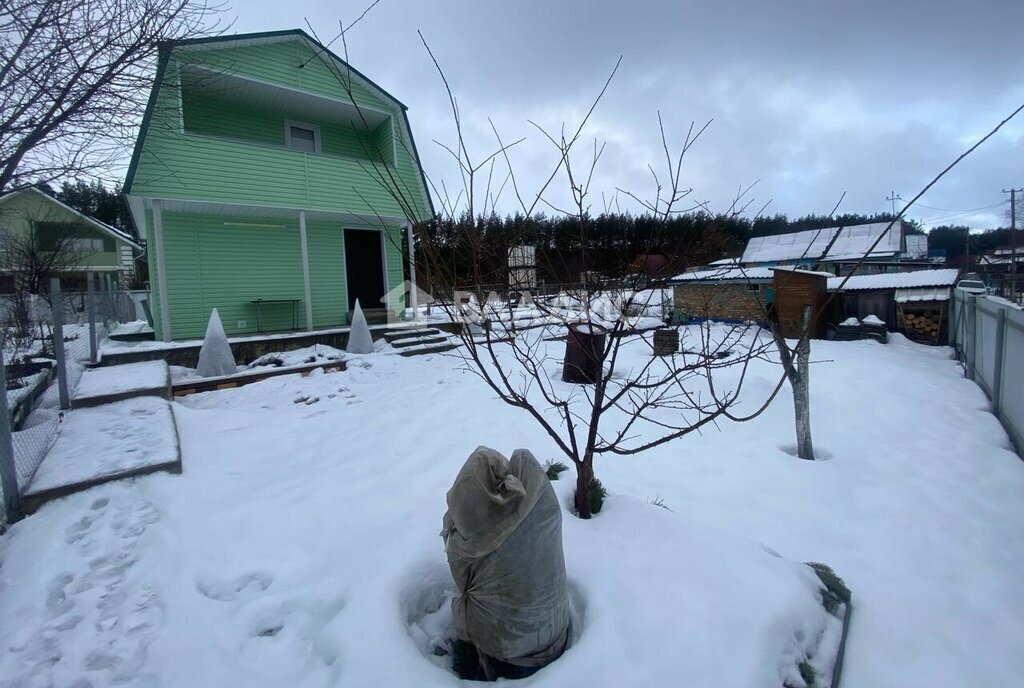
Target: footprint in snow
{"points": [[239, 587]]}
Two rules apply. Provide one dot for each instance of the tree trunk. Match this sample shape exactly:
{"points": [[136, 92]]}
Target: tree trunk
{"points": [[584, 474], [802, 401]]}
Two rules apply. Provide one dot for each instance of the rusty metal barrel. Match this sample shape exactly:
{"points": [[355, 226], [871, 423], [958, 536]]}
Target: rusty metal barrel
{"points": [[584, 351], [666, 341]]}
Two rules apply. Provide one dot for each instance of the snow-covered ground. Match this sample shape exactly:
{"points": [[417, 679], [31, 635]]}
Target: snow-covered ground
{"points": [[122, 379], [94, 443], [300, 546]]}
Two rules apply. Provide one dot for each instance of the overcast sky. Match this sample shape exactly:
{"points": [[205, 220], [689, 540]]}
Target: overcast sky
{"points": [[810, 98]]}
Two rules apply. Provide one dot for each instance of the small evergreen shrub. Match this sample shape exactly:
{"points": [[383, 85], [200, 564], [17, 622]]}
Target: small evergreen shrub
{"points": [[554, 468], [807, 674], [595, 495], [835, 591]]}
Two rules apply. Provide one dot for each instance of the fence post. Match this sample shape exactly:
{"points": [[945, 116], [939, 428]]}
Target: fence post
{"points": [[8, 472], [997, 381], [970, 322], [90, 308], [58, 342]]}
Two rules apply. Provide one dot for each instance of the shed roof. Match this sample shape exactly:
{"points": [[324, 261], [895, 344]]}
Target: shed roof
{"points": [[897, 280], [797, 270], [726, 273], [817, 244]]}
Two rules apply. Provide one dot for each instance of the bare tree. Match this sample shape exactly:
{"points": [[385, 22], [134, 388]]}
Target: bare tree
{"points": [[32, 257], [795, 360], [630, 403], [74, 76], [624, 410]]}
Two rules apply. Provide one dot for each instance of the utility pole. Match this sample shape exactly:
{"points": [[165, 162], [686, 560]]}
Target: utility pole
{"points": [[1013, 241], [893, 196]]}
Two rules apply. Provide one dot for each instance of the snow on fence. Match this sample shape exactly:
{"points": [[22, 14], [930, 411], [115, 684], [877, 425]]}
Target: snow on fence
{"points": [[988, 335]]}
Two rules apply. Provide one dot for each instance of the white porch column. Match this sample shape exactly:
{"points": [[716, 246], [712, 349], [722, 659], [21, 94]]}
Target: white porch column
{"points": [[161, 268], [305, 270], [412, 270]]}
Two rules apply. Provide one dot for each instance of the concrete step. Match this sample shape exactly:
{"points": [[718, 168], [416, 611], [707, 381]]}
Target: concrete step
{"points": [[429, 349], [410, 333], [418, 341]]}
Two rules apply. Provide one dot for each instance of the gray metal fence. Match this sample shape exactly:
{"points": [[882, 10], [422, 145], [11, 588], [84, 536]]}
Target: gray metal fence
{"points": [[30, 411], [988, 335]]}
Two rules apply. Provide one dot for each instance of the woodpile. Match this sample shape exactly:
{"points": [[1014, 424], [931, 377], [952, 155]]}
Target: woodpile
{"points": [[922, 324]]}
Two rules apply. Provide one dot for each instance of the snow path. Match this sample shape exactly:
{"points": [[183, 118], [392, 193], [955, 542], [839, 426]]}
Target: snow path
{"points": [[309, 508], [116, 438], [121, 379]]}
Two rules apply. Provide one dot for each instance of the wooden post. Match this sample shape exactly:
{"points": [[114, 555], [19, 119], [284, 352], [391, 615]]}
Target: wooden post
{"points": [[305, 270]]}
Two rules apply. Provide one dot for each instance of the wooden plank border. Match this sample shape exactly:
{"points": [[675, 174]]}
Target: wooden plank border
{"points": [[210, 384]]}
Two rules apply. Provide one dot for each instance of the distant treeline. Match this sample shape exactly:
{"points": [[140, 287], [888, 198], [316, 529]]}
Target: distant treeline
{"points": [[611, 242]]}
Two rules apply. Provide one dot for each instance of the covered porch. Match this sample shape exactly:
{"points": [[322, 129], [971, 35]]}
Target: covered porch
{"points": [[270, 269]]}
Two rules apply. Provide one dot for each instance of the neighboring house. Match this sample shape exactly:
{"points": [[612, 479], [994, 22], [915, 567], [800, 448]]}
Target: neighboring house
{"points": [[30, 216], [266, 170], [836, 249], [997, 270]]}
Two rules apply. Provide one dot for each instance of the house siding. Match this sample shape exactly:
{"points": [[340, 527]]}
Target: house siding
{"points": [[207, 270], [212, 116], [252, 166]]}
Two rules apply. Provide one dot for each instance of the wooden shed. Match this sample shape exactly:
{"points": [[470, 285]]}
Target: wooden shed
{"points": [[793, 290]]}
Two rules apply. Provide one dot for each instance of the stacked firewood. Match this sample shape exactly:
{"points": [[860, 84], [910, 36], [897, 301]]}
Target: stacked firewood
{"points": [[922, 324]]}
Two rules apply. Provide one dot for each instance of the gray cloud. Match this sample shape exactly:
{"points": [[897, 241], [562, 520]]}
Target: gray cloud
{"points": [[810, 98]]}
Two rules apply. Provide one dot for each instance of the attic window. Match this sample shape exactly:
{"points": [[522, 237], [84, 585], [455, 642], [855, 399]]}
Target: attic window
{"points": [[302, 137]]}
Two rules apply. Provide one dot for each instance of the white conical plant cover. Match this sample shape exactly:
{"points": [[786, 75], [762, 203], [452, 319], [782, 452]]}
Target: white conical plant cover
{"points": [[215, 358], [360, 341]]}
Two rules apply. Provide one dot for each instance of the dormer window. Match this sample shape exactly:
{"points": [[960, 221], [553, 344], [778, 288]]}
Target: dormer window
{"points": [[301, 136]]}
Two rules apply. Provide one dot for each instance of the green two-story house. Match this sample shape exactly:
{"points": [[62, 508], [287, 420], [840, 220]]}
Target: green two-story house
{"points": [[273, 182]]}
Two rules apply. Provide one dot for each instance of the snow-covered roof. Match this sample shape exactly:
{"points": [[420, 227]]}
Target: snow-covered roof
{"points": [[851, 243], [897, 280], [796, 269], [724, 274], [1002, 258]]}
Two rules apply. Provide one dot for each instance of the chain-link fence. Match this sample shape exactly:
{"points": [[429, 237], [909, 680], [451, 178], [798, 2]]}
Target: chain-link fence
{"points": [[41, 374]]}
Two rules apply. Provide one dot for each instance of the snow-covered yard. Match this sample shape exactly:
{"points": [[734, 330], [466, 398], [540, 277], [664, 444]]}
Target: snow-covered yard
{"points": [[300, 545]]}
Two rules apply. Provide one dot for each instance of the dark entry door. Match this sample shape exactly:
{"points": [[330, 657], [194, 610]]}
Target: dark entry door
{"points": [[364, 268]]}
